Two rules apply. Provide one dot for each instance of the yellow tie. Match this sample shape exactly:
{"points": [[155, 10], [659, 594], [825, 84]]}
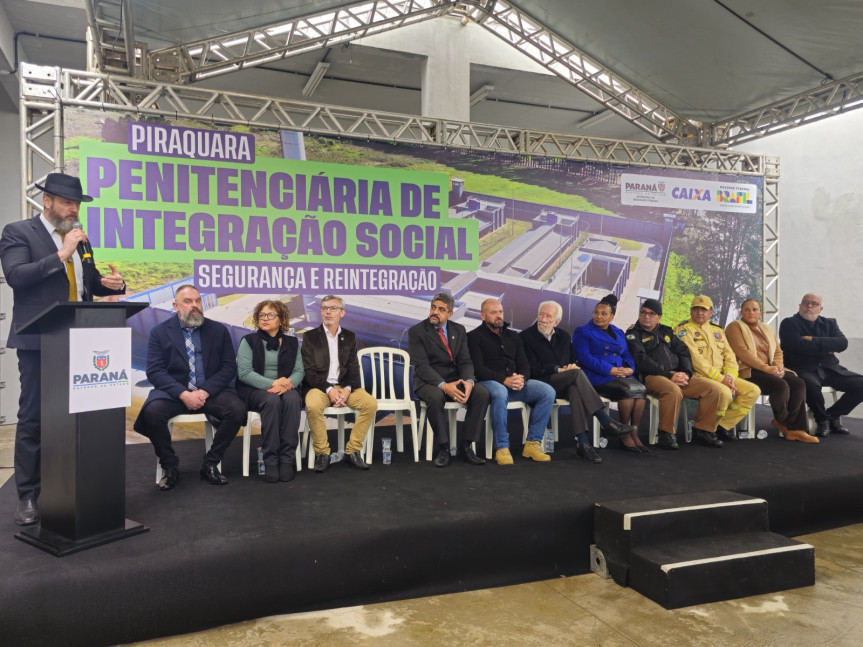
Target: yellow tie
{"points": [[70, 274]]}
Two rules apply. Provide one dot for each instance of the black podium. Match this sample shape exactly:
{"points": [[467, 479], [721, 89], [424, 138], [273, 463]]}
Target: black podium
{"points": [[83, 499]]}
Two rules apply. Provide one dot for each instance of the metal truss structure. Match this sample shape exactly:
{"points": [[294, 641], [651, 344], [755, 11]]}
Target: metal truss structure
{"points": [[113, 50], [47, 91], [826, 100]]}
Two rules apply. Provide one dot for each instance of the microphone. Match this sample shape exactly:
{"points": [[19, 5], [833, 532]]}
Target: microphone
{"points": [[84, 247]]}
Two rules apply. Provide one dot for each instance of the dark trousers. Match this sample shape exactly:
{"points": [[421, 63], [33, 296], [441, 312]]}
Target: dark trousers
{"points": [[225, 407], [850, 385], [787, 397], [574, 386], [28, 434], [621, 388], [280, 423], [435, 400]]}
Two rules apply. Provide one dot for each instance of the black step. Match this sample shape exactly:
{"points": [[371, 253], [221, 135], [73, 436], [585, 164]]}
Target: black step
{"points": [[622, 526], [696, 571]]}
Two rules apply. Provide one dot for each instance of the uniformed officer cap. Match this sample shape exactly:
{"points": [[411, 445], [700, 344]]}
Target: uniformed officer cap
{"points": [[702, 301]]}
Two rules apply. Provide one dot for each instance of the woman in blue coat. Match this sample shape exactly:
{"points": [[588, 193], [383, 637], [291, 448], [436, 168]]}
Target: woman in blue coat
{"points": [[604, 356]]}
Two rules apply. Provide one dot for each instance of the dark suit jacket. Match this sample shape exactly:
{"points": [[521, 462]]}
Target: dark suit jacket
{"points": [[803, 355], [168, 365], [545, 356], [38, 276], [429, 358], [316, 359]]}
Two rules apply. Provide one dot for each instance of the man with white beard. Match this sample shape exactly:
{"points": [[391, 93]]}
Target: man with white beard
{"points": [[191, 365], [552, 360], [810, 343]]}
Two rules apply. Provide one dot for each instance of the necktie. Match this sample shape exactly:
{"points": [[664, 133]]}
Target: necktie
{"points": [[70, 274], [445, 344], [190, 353]]}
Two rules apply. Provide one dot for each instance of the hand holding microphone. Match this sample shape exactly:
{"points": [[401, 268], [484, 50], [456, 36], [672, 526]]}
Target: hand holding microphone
{"points": [[84, 247]]}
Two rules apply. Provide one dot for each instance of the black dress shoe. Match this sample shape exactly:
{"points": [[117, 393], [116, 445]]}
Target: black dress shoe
{"points": [[707, 438], [616, 429], [643, 449], [286, 472], [822, 428], [725, 435], [632, 449], [322, 462], [836, 426], [271, 473], [667, 441], [211, 474], [356, 461], [442, 458], [170, 478], [470, 456], [27, 512], [587, 453]]}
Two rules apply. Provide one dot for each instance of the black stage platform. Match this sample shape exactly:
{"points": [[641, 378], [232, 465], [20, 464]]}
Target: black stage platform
{"points": [[216, 555]]}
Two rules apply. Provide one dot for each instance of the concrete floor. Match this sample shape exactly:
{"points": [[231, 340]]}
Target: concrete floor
{"points": [[584, 610]]}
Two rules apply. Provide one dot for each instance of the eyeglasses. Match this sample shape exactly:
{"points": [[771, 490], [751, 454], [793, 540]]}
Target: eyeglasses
{"points": [[647, 313], [331, 308], [814, 304], [269, 316]]}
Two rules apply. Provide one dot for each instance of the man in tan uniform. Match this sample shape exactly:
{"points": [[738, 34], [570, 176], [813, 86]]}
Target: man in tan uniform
{"points": [[663, 363], [713, 358]]}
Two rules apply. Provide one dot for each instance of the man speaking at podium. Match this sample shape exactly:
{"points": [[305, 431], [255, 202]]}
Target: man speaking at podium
{"points": [[46, 260]]}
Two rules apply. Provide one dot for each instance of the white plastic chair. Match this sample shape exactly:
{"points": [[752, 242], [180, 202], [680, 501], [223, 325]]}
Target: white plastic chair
{"points": [[208, 439], [340, 413], [510, 406], [254, 416], [385, 374], [425, 427]]}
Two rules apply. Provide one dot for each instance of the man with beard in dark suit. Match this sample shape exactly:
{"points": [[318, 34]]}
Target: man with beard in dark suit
{"points": [[192, 365], [810, 343], [443, 372], [44, 263]]}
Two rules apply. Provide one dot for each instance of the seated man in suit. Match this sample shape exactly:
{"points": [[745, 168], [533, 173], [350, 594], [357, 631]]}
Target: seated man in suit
{"points": [[333, 378], [552, 360], [191, 365], [443, 372], [502, 367], [810, 343]]}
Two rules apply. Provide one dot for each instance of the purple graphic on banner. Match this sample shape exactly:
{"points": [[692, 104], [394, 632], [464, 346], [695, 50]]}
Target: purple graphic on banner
{"points": [[191, 143], [250, 277]]}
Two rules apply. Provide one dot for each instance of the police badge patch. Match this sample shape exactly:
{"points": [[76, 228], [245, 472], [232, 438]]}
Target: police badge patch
{"points": [[668, 339], [718, 335]]}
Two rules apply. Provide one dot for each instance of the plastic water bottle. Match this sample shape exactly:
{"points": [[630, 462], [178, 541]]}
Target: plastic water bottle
{"points": [[335, 457], [762, 434], [548, 441], [603, 442], [453, 450], [260, 461], [387, 449]]}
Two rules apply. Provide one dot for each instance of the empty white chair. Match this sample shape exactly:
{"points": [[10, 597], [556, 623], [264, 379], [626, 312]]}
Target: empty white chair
{"points": [[385, 374]]}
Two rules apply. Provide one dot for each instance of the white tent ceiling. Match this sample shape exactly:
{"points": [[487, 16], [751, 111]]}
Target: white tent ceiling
{"points": [[706, 60]]}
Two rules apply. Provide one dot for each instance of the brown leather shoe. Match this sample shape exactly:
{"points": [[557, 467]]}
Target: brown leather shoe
{"points": [[801, 436]]}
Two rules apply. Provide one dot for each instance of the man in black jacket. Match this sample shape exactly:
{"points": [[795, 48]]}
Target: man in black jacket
{"points": [[810, 343], [552, 360], [502, 367], [663, 363]]}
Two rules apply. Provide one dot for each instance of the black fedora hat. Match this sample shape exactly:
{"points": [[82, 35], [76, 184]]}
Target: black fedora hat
{"points": [[66, 186]]}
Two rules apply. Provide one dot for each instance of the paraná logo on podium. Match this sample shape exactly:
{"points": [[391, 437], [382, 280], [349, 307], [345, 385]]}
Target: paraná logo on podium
{"points": [[109, 352]]}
